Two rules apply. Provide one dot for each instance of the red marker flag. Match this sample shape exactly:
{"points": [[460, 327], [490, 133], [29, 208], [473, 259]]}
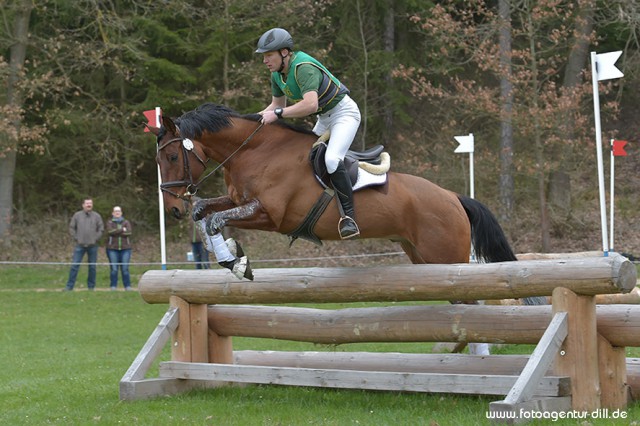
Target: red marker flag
{"points": [[151, 118], [618, 148]]}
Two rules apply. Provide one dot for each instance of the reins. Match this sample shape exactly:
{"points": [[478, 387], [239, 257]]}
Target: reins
{"points": [[246, 141]]}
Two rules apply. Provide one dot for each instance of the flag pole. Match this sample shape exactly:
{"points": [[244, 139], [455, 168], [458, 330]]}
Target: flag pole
{"points": [[596, 109], [163, 248], [612, 202], [466, 145], [471, 178]]}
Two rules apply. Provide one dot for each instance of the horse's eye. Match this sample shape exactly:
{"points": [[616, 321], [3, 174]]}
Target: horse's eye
{"points": [[173, 158]]}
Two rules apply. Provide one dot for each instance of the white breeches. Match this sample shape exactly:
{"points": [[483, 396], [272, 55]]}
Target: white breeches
{"points": [[343, 121]]}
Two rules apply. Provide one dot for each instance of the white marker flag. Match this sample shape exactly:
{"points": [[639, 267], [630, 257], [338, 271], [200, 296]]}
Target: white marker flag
{"points": [[602, 68], [466, 146], [466, 143], [606, 65]]}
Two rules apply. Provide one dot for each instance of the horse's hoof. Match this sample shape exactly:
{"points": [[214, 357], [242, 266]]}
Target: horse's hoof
{"points": [[239, 267], [234, 247], [479, 349], [197, 211]]}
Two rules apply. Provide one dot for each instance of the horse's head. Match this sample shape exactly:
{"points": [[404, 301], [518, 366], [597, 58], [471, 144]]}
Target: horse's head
{"points": [[182, 162]]}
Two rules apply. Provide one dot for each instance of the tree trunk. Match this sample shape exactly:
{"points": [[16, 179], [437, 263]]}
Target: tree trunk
{"points": [[389, 46], [545, 224], [561, 195], [578, 55], [17, 54], [126, 142], [225, 48], [365, 75], [506, 126]]}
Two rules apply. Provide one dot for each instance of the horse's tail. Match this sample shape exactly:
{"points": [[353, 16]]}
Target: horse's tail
{"points": [[489, 241]]}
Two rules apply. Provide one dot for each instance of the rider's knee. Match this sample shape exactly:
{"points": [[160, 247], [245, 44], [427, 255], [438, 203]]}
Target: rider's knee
{"points": [[331, 162]]}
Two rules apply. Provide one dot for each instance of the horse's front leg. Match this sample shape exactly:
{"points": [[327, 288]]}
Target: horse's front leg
{"points": [[228, 253], [218, 220], [201, 208]]}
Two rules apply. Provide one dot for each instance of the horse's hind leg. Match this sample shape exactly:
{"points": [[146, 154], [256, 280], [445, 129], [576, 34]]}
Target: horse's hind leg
{"points": [[474, 348], [411, 252]]}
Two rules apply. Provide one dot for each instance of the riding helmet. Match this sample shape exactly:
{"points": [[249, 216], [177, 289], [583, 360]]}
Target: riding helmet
{"points": [[275, 39]]}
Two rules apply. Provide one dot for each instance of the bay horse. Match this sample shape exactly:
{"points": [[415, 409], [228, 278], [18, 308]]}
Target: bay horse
{"points": [[271, 187]]}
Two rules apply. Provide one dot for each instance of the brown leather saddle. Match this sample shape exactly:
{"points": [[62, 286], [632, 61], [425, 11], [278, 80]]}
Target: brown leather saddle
{"points": [[351, 162]]}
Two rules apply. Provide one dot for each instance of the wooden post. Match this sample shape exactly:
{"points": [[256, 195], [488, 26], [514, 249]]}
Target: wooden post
{"points": [[181, 338], [613, 375], [578, 357], [220, 347], [189, 341], [199, 332]]}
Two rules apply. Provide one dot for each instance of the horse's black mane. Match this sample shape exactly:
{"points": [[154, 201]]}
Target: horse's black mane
{"points": [[214, 117]]}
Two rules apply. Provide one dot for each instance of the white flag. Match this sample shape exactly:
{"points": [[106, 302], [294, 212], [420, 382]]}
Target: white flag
{"points": [[605, 65], [466, 143]]}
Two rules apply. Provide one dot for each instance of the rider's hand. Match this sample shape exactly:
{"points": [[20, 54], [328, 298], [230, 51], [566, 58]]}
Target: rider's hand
{"points": [[269, 117]]}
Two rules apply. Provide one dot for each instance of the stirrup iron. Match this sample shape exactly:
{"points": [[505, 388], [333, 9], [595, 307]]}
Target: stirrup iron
{"points": [[344, 223]]}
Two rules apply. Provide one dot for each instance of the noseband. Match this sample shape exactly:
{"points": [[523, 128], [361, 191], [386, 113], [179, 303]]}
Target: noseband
{"points": [[192, 187]]}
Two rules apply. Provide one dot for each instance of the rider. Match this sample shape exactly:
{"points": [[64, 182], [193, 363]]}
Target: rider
{"points": [[303, 79]]}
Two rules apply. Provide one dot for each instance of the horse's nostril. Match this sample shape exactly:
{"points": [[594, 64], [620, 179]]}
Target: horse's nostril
{"points": [[176, 213]]}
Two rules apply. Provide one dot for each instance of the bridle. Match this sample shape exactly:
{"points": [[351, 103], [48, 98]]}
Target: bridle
{"points": [[187, 146], [192, 188]]}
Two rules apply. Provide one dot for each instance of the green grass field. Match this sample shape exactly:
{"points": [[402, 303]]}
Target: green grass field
{"points": [[63, 354]]}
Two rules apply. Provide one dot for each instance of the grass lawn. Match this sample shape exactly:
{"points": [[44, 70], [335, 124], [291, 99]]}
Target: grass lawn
{"points": [[63, 354]]}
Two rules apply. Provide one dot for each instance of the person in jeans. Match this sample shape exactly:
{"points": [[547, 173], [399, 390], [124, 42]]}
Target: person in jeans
{"points": [[86, 228], [119, 248]]}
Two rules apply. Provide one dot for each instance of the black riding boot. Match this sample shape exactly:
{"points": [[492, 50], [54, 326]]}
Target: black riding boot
{"points": [[342, 185]]}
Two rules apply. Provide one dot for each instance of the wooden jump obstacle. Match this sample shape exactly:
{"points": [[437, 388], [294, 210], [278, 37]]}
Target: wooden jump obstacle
{"points": [[579, 361]]}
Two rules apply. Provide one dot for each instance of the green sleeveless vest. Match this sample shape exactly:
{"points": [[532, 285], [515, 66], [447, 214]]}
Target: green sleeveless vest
{"points": [[330, 88]]}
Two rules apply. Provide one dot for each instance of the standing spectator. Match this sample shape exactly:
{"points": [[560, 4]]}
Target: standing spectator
{"points": [[119, 248], [200, 254], [86, 228]]}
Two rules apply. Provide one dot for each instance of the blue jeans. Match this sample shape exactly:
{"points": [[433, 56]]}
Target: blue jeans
{"points": [[92, 257], [200, 255], [119, 259]]}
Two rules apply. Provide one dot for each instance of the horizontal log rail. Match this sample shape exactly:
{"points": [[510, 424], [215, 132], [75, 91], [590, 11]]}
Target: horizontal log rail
{"points": [[619, 324], [503, 280]]}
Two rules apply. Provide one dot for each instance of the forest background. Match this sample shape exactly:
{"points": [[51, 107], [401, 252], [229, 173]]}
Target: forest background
{"points": [[77, 74]]}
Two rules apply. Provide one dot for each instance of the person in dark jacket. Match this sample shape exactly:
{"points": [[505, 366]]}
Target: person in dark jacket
{"points": [[86, 228], [119, 248]]}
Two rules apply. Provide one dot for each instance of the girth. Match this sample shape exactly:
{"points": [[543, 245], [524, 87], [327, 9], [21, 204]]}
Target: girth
{"points": [[305, 229]]}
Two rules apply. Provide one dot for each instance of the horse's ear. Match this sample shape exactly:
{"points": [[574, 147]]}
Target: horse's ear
{"points": [[168, 124], [152, 129]]}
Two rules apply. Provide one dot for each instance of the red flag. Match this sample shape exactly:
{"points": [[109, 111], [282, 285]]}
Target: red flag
{"points": [[151, 118], [618, 148]]}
